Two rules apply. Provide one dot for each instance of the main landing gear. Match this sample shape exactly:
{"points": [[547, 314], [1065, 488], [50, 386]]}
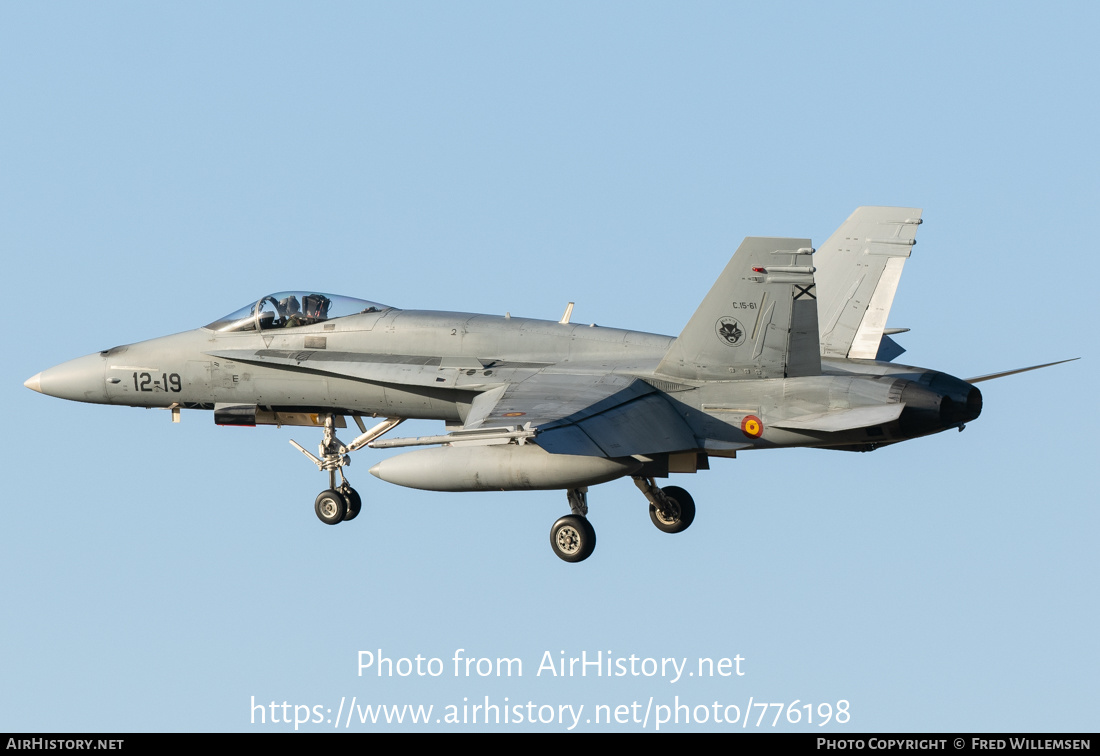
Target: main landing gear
{"points": [[340, 503], [671, 508], [573, 538]]}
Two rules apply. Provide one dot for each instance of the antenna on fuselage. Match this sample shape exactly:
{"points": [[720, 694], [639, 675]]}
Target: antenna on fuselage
{"points": [[568, 313]]}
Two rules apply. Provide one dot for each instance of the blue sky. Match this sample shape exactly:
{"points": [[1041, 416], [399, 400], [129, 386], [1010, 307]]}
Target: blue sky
{"points": [[162, 165]]}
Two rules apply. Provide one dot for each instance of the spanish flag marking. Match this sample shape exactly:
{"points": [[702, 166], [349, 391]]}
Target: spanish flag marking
{"points": [[751, 426]]}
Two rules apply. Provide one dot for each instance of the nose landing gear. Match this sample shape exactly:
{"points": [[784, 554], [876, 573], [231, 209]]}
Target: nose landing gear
{"points": [[336, 505], [330, 507], [339, 503]]}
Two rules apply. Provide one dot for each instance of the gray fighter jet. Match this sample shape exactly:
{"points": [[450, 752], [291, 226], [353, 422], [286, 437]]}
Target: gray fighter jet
{"points": [[789, 348]]}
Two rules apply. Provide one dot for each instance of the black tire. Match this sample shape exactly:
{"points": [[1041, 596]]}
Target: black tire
{"points": [[684, 511], [354, 503], [330, 507], [573, 538]]}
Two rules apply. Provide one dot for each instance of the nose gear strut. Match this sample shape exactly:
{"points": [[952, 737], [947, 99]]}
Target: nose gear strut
{"points": [[339, 503]]}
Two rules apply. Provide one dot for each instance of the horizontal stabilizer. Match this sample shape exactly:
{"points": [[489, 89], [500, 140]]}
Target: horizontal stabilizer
{"points": [[889, 350], [842, 420]]}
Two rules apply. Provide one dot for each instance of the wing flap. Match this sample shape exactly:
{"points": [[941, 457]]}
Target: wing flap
{"points": [[569, 439], [590, 414], [548, 396], [645, 425]]}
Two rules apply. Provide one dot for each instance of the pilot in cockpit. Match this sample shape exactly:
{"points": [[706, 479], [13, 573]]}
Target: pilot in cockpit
{"points": [[291, 312]]}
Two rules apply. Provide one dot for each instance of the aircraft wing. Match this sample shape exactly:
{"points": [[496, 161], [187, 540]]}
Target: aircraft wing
{"points": [[591, 414]]}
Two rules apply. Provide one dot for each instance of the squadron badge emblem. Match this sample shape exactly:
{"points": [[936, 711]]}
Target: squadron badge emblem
{"points": [[730, 331]]}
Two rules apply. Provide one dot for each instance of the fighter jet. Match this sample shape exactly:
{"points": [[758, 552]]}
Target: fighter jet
{"points": [[788, 349]]}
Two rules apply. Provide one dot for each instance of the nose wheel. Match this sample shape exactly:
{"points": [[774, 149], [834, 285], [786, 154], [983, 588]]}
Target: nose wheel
{"points": [[336, 505], [353, 501], [340, 503], [330, 507]]}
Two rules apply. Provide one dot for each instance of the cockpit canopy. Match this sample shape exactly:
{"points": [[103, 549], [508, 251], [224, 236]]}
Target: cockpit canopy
{"points": [[290, 309]]}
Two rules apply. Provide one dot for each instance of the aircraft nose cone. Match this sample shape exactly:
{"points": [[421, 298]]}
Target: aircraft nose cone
{"points": [[79, 380]]}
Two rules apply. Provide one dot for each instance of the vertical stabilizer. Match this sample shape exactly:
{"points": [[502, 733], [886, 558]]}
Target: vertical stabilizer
{"points": [[858, 269], [758, 321]]}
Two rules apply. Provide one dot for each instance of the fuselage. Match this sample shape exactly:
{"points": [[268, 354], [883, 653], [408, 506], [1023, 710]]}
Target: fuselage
{"points": [[431, 365]]}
